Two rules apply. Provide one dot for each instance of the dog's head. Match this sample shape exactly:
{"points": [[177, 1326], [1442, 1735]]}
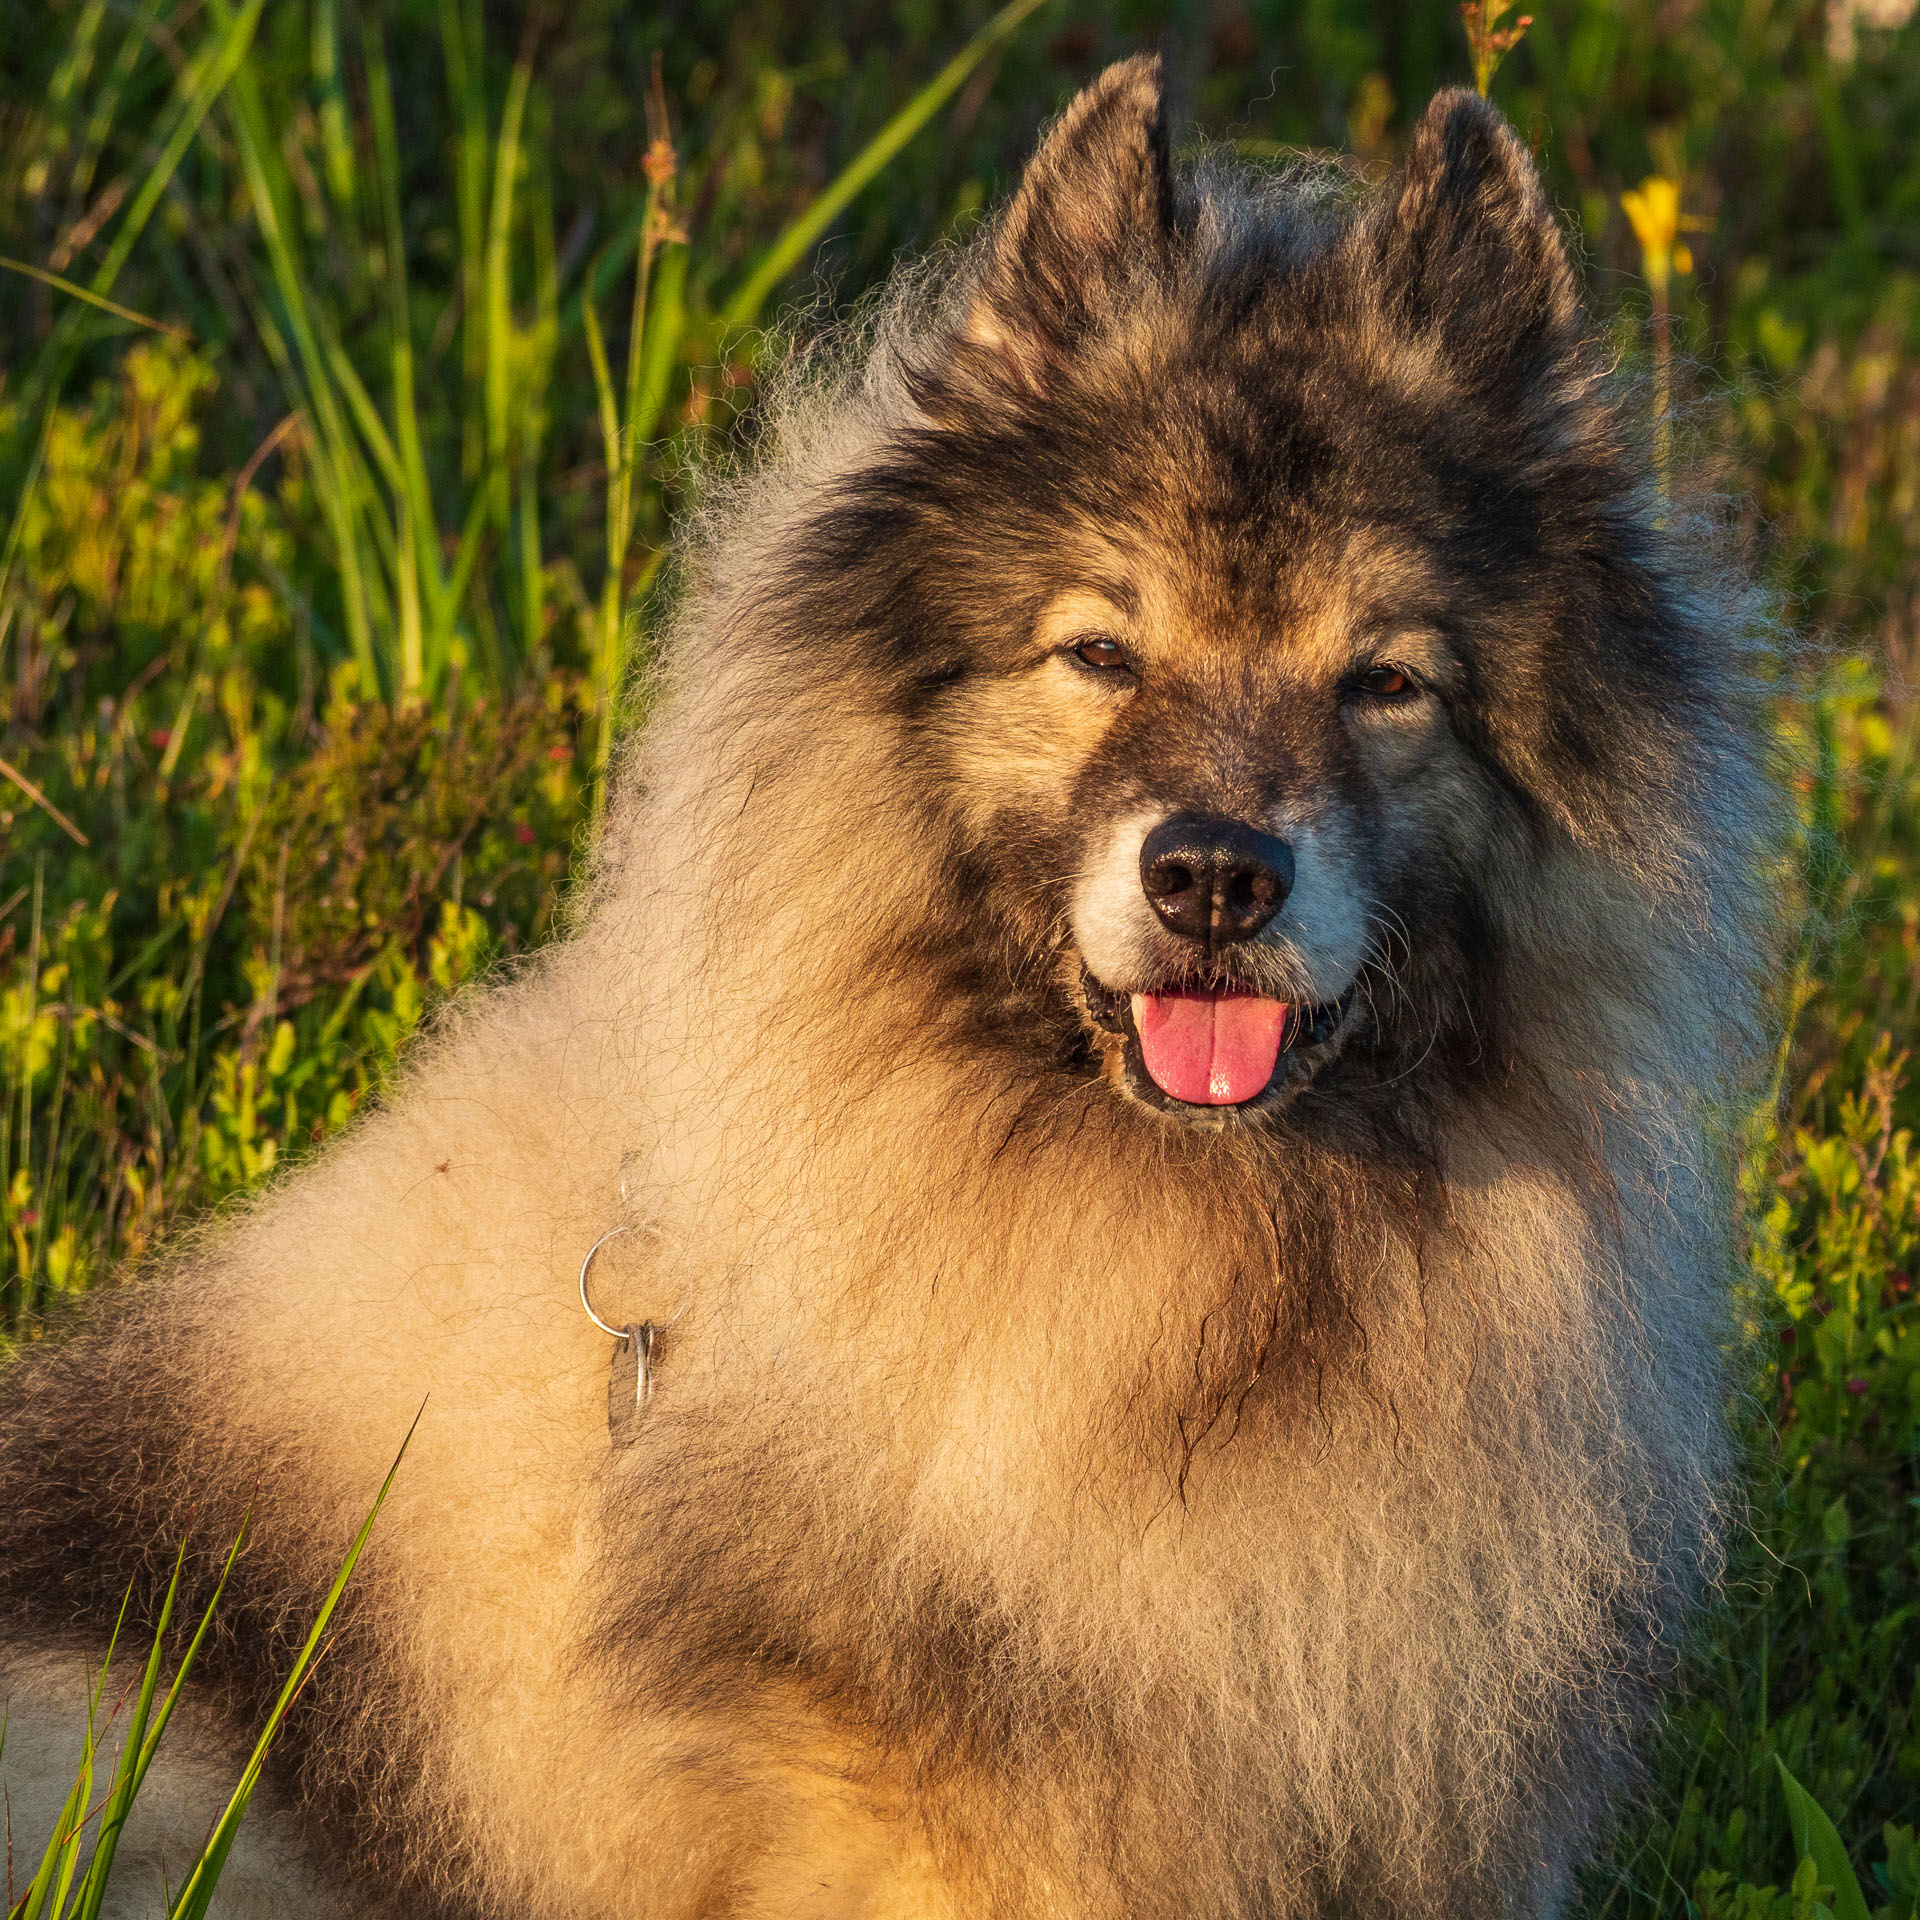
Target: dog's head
{"points": [[1268, 589]]}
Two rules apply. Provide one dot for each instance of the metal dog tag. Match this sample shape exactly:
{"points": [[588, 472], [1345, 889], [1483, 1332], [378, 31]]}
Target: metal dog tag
{"points": [[630, 1384]]}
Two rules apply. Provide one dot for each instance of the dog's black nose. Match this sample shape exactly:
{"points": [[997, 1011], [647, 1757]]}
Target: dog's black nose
{"points": [[1214, 880]]}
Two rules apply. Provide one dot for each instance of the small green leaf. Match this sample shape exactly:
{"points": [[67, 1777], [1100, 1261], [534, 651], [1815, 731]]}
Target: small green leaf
{"points": [[1817, 1839]]}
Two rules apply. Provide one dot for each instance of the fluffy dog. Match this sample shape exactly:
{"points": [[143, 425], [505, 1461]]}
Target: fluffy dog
{"points": [[1158, 1008]]}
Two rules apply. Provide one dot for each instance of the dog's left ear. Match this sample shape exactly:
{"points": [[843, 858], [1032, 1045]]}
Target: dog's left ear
{"points": [[1095, 206], [1468, 247]]}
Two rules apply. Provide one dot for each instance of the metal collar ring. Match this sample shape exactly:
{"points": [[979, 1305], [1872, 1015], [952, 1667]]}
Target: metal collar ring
{"points": [[586, 1267]]}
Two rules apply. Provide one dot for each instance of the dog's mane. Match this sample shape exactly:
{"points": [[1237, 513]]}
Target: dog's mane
{"points": [[1457, 1350], [1482, 1281]]}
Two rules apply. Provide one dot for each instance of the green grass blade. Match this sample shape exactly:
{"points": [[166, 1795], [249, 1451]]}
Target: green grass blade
{"points": [[32, 1905], [46, 1894], [107, 106], [1815, 1837], [532, 583], [366, 416], [196, 1894], [607, 647], [341, 501], [46, 1898], [42, 435], [786, 252], [535, 372], [463, 46], [336, 143], [499, 288], [602, 379], [70, 75], [666, 323], [623, 449], [93, 299], [416, 493], [223, 57], [461, 573], [206, 77], [128, 1771], [150, 1745]]}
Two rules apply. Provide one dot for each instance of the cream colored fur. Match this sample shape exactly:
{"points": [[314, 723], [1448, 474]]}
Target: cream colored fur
{"points": [[959, 1347]]}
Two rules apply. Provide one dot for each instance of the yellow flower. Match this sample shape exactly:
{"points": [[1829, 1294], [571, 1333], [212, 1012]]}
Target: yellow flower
{"points": [[1654, 210], [1655, 213]]}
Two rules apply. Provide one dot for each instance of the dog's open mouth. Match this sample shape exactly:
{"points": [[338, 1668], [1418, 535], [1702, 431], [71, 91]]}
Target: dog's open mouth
{"points": [[1197, 1045]]}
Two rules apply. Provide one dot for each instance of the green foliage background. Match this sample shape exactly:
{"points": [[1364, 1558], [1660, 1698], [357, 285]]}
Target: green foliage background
{"points": [[252, 826]]}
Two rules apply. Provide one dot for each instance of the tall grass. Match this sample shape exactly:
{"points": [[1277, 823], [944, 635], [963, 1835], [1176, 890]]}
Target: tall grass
{"points": [[440, 566], [89, 1829]]}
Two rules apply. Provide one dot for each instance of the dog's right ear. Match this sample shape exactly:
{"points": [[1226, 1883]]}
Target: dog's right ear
{"points": [[1094, 206]]}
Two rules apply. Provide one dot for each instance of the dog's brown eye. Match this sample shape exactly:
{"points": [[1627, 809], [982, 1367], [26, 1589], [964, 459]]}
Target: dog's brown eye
{"points": [[1098, 650], [1387, 683]]}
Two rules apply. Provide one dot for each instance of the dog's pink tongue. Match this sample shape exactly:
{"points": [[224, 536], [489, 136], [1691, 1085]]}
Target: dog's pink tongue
{"points": [[1209, 1049]]}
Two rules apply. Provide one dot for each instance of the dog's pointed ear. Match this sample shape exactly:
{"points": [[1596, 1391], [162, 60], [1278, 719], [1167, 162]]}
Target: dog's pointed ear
{"points": [[1095, 202], [1467, 247]]}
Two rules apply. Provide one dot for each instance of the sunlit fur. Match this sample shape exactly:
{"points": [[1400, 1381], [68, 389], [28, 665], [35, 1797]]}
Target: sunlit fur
{"points": [[1048, 1507]]}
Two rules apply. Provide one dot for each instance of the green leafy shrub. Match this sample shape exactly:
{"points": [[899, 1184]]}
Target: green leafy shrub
{"points": [[277, 879]]}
